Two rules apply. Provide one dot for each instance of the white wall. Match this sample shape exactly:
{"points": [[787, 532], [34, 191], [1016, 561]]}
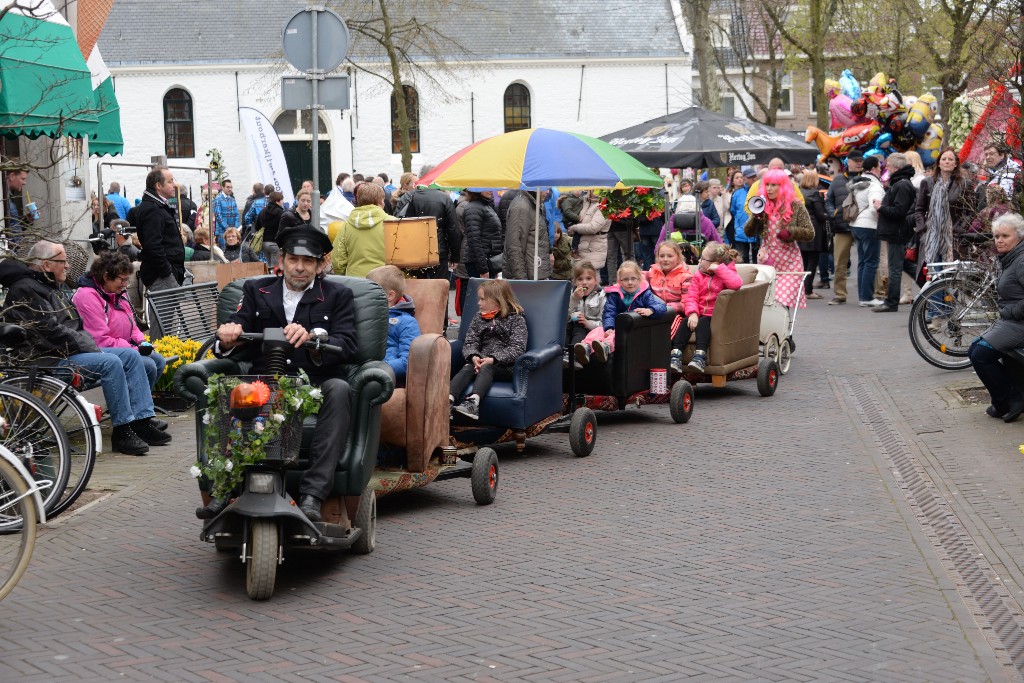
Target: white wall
{"points": [[614, 95]]}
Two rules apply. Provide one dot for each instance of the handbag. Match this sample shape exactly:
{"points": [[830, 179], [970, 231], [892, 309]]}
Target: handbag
{"points": [[495, 263], [256, 241]]}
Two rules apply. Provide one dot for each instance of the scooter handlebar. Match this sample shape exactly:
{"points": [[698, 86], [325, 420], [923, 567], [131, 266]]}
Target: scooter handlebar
{"points": [[317, 343]]}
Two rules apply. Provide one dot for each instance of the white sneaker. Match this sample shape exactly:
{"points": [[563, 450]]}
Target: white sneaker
{"points": [[906, 301], [873, 302]]}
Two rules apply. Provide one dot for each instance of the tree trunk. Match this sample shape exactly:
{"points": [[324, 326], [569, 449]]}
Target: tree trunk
{"points": [[398, 89], [697, 12]]}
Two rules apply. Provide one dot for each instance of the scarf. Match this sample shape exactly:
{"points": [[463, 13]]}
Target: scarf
{"points": [[488, 315], [938, 236]]}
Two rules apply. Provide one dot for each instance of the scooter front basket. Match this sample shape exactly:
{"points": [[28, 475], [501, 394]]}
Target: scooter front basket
{"points": [[267, 427]]}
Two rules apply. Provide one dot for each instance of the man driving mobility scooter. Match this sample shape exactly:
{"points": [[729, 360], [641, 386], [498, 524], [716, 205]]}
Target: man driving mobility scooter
{"points": [[308, 308]]}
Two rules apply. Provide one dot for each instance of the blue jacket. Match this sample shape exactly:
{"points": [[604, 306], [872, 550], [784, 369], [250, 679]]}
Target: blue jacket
{"points": [[402, 329], [121, 205], [708, 207], [739, 215], [614, 303]]}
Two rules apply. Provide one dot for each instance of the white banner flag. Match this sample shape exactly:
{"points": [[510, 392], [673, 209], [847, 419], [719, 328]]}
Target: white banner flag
{"points": [[267, 155]]}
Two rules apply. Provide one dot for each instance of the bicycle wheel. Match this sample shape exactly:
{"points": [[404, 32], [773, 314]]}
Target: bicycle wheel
{"points": [[33, 434], [68, 405], [948, 316], [15, 503]]}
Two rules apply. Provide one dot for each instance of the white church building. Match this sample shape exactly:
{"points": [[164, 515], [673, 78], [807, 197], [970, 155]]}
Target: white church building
{"points": [[182, 71]]}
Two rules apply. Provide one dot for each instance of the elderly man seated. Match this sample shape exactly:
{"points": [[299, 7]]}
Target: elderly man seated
{"points": [[38, 301]]}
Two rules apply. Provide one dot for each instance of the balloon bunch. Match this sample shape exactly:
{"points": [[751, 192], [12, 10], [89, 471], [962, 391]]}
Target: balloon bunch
{"points": [[877, 120]]}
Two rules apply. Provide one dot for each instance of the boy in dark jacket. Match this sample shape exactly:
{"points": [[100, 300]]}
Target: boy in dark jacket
{"points": [[402, 325]]}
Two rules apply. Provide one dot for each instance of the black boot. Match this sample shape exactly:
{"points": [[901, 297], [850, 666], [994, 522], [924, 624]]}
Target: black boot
{"points": [[124, 440], [212, 510], [159, 424], [145, 430], [310, 506]]}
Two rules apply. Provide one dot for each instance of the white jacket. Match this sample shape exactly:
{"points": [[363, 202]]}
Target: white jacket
{"points": [[866, 189], [593, 227]]}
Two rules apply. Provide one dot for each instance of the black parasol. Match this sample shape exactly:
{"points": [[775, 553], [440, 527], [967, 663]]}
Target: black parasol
{"points": [[700, 138]]}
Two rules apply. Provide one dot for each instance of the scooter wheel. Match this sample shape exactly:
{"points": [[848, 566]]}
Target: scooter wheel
{"points": [[366, 521], [261, 568], [484, 477]]}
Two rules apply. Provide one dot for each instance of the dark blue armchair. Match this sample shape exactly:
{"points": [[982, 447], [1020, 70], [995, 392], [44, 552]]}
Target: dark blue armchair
{"points": [[535, 391]]}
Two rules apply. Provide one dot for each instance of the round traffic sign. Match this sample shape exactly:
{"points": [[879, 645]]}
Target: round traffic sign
{"points": [[331, 40]]}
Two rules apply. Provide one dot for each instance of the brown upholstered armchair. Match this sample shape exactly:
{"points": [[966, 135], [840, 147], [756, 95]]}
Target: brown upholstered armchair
{"points": [[415, 418], [735, 328]]}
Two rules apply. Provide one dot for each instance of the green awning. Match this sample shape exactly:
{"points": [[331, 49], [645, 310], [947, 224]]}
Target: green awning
{"points": [[106, 138], [45, 85]]}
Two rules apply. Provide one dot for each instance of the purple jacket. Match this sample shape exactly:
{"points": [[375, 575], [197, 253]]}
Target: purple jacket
{"points": [[707, 228]]}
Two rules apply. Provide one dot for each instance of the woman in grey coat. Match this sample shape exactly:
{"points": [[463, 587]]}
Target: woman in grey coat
{"points": [[988, 350]]}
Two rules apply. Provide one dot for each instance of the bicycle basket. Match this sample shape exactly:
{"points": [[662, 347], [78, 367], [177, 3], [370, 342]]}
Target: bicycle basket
{"points": [[280, 439]]}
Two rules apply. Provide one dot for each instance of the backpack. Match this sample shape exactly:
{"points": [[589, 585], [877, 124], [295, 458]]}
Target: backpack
{"points": [[850, 207]]}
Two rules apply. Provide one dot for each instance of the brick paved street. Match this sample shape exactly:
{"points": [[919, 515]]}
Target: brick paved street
{"points": [[861, 525]]}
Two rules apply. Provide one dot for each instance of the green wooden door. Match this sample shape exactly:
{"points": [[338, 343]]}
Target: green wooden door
{"points": [[298, 154]]}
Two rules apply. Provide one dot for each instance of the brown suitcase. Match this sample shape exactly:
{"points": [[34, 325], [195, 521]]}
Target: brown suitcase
{"points": [[411, 242]]}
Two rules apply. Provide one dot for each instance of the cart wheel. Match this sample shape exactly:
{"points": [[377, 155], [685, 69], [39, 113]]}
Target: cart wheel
{"points": [[583, 432], [785, 356], [261, 569], [771, 348], [484, 476], [792, 345], [680, 404], [767, 377], [366, 520]]}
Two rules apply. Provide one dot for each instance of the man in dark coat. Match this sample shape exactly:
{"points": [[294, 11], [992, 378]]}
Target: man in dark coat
{"points": [[163, 253], [306, 306], [423, 201], [893, 226]]}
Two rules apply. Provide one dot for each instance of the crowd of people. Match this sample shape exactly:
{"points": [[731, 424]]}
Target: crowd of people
{"points": [[899, 215]]}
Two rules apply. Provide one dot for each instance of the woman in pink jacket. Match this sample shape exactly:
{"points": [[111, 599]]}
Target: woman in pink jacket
{"points": [[715, 273], [107, 314]]}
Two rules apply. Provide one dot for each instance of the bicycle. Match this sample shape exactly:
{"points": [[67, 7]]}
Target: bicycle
{"points": [[30, 431], [955, 306], [22, 506], [78, 417]]}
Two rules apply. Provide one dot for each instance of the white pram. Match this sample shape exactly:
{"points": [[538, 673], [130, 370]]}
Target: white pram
{"points": [[777, 321]]}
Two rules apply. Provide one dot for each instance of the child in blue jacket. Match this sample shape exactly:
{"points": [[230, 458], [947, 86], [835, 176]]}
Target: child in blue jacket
{"points": [[630, 293], [402, 325]]}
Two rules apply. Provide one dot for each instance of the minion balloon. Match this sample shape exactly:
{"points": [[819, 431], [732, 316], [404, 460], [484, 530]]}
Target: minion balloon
{"points": [[921, 115], [930, 145]]}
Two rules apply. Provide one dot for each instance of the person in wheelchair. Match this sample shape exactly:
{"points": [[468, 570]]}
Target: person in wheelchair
{"points": [[306, 306]]}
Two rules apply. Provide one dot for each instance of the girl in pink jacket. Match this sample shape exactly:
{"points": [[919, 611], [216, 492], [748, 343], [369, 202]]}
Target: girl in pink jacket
{"points": [[715, 273], [670, 280]]}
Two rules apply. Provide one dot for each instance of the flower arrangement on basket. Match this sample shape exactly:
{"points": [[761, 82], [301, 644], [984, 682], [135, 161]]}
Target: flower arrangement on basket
{"points": [[184, 349], [251, 419], [642, 203]]}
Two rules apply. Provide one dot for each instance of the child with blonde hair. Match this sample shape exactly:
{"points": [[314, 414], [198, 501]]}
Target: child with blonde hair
{"points": [[496, 338], [630, 294], [715, 273], [402, 325], [669, 277]]}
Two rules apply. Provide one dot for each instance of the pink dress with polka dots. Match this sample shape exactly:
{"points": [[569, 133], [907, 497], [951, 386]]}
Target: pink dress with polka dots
{"points": [[785, 258]]}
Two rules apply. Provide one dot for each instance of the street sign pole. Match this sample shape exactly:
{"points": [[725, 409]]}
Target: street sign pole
{"points": [[316, 76], [303, 32]]}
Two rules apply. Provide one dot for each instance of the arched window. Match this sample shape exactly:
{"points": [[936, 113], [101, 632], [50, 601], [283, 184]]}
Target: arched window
{"points": [[412, 111], [517, 107], [179, 137]]}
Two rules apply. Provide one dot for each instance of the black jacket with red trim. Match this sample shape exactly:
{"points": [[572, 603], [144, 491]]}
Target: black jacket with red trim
{"points": [[326, 305]]}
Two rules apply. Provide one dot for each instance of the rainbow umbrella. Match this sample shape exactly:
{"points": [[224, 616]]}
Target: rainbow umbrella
{"points": [[539, 159]]}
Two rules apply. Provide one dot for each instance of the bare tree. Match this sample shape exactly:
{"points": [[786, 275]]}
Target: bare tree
{"points": [[49, 156], [403, 42], [697, 13], [955, 35], [754, 61]]}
